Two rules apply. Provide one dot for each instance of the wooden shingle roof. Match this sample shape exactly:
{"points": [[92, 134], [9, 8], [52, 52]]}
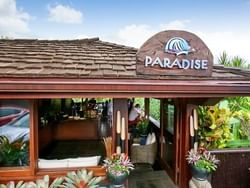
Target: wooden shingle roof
{"points": [[86, 58], [66, 58]]}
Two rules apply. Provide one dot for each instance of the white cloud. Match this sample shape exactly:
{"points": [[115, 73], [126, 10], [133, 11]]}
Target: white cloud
{"points": [[13, 21], [64, 14], [176, 24], [235, 43], [135, 35]]}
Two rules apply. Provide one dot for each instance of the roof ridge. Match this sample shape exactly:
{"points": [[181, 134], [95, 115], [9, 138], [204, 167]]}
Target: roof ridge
{"points": [[235, 70], [93, 39], [117, 45]]}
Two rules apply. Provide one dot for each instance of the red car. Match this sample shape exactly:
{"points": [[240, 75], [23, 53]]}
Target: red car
{"points": [[9, 113]]}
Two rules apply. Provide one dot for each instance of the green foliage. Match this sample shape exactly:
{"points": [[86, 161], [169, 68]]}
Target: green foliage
{"points": [[238, 103], [140, 101], [244, 117], [202, 159], [13, 154], [154, 109], [142, 126], [214, 127], [226, 124], [224, 59], [118, 164], [236, 61]]}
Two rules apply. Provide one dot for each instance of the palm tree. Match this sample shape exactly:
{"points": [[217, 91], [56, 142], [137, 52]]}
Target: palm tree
{"points": [[224, 59], [238, 62]]}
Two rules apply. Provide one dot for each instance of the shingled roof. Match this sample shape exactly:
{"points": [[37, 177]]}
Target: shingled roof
{"points": [[86, 58], [66, 58]]}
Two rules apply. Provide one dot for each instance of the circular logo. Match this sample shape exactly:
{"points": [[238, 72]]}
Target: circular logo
{"points": [[178, 46]]}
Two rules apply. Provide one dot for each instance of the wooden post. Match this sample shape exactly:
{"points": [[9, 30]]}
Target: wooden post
{"points": [[121, 105], [146, 106]]}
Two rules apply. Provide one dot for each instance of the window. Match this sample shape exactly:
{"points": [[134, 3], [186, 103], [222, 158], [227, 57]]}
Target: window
{"points": [[72, 123], [14, 133]]}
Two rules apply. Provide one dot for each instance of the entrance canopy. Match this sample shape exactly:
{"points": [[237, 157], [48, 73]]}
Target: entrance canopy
{"points": [[73, 67]]}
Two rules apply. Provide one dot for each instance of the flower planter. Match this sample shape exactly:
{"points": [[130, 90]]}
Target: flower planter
{"points": [[200, 174], [117, 180]]}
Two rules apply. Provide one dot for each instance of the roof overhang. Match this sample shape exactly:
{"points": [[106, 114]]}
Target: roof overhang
{"points": [[44, 88]]}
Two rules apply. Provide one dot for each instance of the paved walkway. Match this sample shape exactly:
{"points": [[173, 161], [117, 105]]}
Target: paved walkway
{"points": [[153, 179]]}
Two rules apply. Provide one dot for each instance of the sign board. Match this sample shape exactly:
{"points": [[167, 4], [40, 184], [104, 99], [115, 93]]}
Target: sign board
{"points": [[173, 53]]}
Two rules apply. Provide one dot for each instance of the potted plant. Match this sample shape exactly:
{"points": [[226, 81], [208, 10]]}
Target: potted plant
{"points": [[13, 154], [118, 167], [142, 126], [202, 163]]}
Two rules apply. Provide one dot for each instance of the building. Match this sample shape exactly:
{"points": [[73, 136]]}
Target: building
{"points": [[36, 74]]}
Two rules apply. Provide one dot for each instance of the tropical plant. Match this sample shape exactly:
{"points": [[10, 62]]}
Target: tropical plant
{"points": [[202, 159], [40, 183], [118, 164], [238, 103], [12, 184], [236, 61], [13, 154], [244, 118], [224, 59], [81, 179], [142, 126], [45, 183], [214, 127]]}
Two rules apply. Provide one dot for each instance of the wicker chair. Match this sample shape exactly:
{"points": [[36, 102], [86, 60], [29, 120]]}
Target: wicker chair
{"points": [[144, 153]]}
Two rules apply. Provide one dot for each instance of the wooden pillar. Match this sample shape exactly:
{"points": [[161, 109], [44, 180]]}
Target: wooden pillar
{"points": [[33, 136], [146, 106], [185, 143], [122, 106]]}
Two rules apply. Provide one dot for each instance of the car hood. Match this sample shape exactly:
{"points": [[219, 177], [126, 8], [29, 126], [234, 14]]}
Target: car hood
{"points": [[14, 133]]}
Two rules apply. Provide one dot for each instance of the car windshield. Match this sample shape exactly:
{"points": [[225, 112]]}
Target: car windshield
{"points": [[21, 122], [8, 111]]}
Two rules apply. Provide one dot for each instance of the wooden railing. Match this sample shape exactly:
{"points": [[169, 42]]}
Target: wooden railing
{"points": [[233, 170]]}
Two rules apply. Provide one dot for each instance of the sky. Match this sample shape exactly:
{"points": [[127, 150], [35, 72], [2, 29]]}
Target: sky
{"points": [[224, 25]]}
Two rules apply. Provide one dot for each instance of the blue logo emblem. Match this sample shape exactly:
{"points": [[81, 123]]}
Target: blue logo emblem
{"points": [[178, 46]]}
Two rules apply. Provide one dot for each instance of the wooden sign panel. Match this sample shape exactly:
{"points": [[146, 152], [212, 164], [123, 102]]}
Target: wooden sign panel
{"points": [[173, 53]]}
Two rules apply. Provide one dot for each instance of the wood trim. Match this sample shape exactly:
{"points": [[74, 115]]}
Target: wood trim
{"points": [[20, 175], [33, 136], [126, 86], [51, 95]]}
